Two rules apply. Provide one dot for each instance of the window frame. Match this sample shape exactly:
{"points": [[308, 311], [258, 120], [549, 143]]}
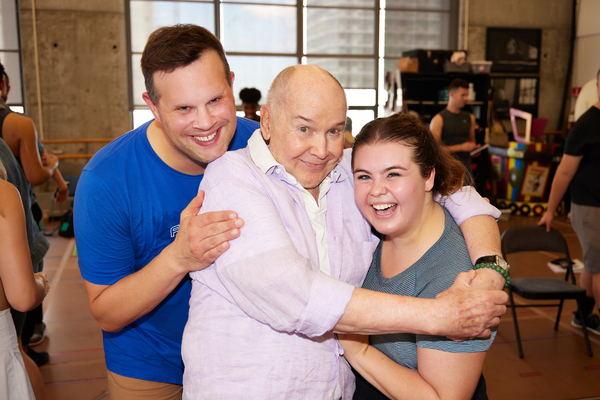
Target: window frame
{"points": [[16, 106], [301, 54]]}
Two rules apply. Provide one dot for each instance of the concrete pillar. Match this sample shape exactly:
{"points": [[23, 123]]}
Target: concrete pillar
{"points": [[82, 66]]}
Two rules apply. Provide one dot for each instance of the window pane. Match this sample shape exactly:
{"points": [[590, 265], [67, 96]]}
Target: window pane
{"points": [[390, 64], [360, 97], [12, 65], [352, 73], [141, 116], [340, 31], [147, 16], [264, 1], [342, 3], [419, 4], [138, 80], [407, 30], [259, 28], [8, 25], [359, 119], [257, 72]]}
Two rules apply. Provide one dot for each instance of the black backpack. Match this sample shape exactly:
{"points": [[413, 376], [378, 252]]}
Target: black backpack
{"points": [[66, 224]]}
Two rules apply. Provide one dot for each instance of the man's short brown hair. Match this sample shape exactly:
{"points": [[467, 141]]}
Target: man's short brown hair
{"points": [[458, 83], [172, 47]]}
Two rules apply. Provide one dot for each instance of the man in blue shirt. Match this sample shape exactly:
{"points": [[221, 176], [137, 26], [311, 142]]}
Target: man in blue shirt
{"points": [[135, 244]]}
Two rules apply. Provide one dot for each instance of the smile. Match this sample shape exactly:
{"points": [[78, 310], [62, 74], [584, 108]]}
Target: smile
{"points": [[314, 166], [384, 209], [205, 138]]}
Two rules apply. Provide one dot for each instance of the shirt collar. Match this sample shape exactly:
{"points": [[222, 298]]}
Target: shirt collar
{"points": [[259, 151]]}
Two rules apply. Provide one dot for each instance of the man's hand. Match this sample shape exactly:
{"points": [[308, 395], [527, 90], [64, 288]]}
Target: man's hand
{"points": [[203, 238], [469, 146], [547, 220], [468, 312]]}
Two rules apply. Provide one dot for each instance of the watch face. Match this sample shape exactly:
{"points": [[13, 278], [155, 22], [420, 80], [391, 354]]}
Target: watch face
{"points": [[501, 262], [494, 259]]}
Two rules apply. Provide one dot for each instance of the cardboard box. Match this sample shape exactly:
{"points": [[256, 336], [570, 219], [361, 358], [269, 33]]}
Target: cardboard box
{"points": [[408, 64], [430, 60]]}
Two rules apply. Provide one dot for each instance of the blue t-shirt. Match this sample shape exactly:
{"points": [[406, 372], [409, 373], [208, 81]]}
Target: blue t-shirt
{"points": [[433, 273], [127, 209]]}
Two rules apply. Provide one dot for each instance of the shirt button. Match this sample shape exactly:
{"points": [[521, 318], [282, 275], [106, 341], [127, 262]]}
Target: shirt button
{"points": [[330, 394], [277, 170]]}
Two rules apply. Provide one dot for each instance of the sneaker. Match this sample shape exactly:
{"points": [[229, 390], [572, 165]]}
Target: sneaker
{"points": [[592, 323], [576, 322], [39, 358], [39, 334]]}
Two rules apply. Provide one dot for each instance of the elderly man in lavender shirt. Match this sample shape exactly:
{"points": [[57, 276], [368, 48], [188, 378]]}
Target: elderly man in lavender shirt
{"points": [[263, 316]]}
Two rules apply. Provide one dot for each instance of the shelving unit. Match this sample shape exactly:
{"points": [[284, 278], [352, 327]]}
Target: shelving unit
{"points": [[423, 93]]}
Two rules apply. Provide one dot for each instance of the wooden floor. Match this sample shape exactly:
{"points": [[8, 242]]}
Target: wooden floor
{"points": [[555, 365]]}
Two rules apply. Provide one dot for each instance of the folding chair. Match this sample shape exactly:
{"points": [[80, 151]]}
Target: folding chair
{"points": [[535, 238]]}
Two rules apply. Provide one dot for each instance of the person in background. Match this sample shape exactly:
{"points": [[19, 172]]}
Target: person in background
{"points": [[20, 289], [398, 169], [19, 133], [250, 98], [454, 127], [38, 246], [579, 168], [145, 183]]}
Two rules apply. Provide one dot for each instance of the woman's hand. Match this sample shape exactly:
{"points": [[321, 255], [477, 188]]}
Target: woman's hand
{"points": [[42, 279]]}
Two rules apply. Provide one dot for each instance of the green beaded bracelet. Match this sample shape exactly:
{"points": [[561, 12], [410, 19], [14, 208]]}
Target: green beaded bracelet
{"points": [[500, 270]]}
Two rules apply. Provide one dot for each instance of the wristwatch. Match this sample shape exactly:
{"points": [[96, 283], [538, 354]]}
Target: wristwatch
{"points": [[496, 263]]}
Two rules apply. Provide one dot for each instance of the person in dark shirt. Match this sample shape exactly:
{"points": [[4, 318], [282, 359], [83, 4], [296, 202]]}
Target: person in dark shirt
{"points": [[454, 127], [579, 169]]}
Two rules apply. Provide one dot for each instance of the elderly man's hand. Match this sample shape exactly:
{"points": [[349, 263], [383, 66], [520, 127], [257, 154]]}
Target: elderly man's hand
{"points": [[468, 312], [201, 239]]}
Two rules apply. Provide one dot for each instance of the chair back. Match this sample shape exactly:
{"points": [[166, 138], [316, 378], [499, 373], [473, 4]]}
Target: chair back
{"points": [[535, 238]]}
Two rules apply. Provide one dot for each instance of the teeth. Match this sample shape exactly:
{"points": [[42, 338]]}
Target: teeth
{"points": [[205, 138], [380, 207]]}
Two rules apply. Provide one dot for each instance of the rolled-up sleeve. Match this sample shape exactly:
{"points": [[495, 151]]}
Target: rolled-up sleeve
{"points": [[467, 203], [267, 272]]}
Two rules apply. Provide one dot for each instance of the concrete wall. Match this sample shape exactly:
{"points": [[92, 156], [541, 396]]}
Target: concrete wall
{"points": [[82, 62], [553, 17]]}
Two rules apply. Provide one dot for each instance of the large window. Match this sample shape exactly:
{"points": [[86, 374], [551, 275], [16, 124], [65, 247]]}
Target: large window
{"points": [[10, 54], [355, 40]]}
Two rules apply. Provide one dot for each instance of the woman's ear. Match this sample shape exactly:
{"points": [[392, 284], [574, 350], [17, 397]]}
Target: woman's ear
{"points": [[430, 180]]}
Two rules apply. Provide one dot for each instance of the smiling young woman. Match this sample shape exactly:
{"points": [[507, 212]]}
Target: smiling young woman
{"points": [[399, 167]]}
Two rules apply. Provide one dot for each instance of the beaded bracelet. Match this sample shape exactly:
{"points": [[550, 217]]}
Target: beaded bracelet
{"points": [[500, 270]]}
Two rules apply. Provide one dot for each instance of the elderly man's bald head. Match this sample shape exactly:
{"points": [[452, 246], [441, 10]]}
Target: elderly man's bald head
{"points": [[303, 121], [298, 77]]}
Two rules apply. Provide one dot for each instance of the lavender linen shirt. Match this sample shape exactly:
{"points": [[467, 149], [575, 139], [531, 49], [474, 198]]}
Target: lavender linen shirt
{"points": [[261, 316]]}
